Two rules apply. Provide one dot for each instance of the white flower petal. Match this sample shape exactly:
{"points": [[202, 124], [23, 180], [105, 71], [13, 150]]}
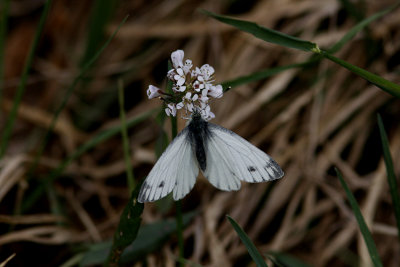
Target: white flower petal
{"points": [[172, 109], [180, 81], [153, 92], [171, 74], [188, 65], [177, 58], [216, 91], [207, 71]]}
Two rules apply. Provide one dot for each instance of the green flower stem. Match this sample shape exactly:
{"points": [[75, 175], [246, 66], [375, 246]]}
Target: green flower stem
{"points": [[125, 140]]}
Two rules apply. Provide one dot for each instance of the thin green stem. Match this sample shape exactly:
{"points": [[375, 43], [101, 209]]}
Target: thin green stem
{"points": [[22, 85], [178, 205], [125, 140], [3, 32], [179, 228], [390, 173]]}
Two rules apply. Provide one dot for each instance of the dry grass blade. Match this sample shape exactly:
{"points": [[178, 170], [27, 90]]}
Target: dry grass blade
{"points": [[31, 219], [4, 263], [50, 235]]}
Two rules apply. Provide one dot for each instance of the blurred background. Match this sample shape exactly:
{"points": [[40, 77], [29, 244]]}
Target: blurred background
{"points": [[55, 205]]}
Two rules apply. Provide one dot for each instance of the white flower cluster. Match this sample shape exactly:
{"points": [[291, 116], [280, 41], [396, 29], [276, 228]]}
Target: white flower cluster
{"points": [[191, 86]]}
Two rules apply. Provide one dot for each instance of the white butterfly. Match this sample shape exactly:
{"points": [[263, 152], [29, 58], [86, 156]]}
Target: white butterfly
{"points": [[224, 157]]}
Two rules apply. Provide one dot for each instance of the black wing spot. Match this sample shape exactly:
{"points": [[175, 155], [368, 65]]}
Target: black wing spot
{"points": [[251, 168], [146, 185], [161, 184]]}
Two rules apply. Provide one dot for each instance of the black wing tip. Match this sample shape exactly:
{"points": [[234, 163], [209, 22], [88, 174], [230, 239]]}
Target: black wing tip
{"points": [[279, 176], [277, 172], [141, 198]]}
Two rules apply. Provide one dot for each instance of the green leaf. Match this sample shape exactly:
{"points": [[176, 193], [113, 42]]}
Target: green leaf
{"points": [[369, 241], [388, 86], [128, 227], [264, 74], [22, 85], [251, 248], [390, 173], [266, 34], [99, 138], [283, 259], [354, 30], [149, 238]]}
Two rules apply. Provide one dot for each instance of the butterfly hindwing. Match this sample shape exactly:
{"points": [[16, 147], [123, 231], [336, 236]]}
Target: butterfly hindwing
{"points": [[230, 158], [176, 170]]}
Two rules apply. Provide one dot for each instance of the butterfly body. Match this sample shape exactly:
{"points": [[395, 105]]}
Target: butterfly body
{"points": [[198, 135], [224, 158]]}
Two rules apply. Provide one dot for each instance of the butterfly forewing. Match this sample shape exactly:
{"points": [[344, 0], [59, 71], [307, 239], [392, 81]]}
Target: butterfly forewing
{"points": [[176, 170], [231, 158]]}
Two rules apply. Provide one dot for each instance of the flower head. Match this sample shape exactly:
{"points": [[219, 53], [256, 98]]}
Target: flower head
{"points": [[192, 87], [153, 92]]}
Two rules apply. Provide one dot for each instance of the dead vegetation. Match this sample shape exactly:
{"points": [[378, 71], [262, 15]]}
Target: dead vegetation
{"points": [[309, 119]]}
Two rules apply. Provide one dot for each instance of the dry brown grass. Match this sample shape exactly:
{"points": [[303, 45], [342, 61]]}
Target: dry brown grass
{"points": [[309, 120]]}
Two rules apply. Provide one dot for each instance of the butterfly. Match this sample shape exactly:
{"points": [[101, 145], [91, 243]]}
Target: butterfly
{"points": [[224, 158]]}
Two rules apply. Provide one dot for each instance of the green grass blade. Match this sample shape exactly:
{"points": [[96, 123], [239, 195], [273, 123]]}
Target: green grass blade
{"points": [[68, 94], [283, 259], [357, 28], [3, 32], [266, 34], [369, 241], [352, 10], [293, 42], [99, 138], [128, 228], [251, 248], [22, 85], [125, 140], [256, 76], [100, 15], [390, 174], [388, 86]]}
